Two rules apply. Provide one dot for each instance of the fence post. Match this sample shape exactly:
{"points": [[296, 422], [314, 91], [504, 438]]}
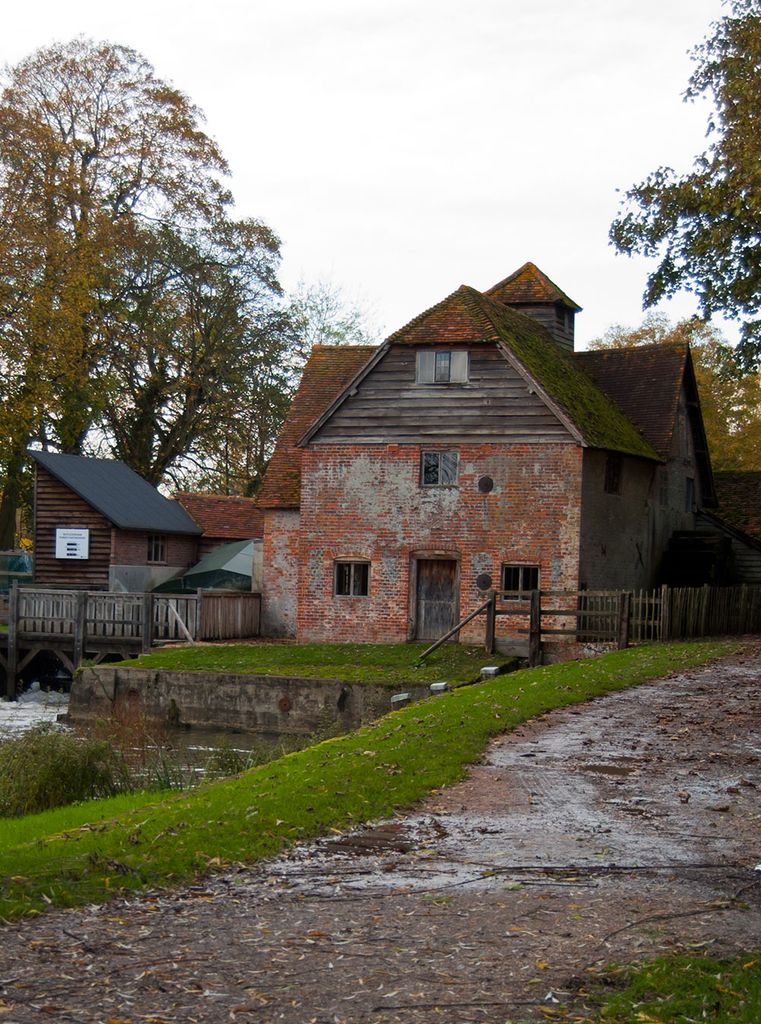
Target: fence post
{"points": [[13, 616], [80, 617], [665, 613], [491, 623], [624, 609], [535, 629], [704, 599], [147, 634]]}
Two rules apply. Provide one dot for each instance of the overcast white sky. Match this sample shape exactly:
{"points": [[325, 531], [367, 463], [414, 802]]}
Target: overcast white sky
{"points": [[404, 147]]}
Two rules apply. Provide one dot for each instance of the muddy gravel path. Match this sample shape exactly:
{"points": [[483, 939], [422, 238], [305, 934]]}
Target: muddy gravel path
{"points": [[619, 829]]}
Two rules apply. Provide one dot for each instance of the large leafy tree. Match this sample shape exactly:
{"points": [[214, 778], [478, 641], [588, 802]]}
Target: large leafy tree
{"points": [[704, 227], [730, 395], [126, 290]]}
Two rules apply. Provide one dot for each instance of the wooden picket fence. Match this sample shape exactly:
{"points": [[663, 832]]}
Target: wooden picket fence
{"points": [[614, 616]]}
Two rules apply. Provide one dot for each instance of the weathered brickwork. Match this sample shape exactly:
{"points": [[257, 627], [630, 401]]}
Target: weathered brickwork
{"points": [[280, 572], [366, 502]]}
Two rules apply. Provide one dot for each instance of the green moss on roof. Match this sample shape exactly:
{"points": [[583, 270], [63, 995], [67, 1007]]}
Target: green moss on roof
{"points": [[599, 421], [469, 317]]}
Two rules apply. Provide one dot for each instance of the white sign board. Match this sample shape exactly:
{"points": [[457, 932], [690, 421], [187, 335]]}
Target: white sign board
{"points": [[72, 543]]}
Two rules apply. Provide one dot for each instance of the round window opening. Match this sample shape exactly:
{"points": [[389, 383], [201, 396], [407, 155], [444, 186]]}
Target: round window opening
{"points": [[485, 484], [484, 581]]}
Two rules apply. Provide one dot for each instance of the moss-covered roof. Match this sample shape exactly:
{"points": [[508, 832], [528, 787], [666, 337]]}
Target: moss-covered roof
{"points": [[645, 382], [467, 316]]}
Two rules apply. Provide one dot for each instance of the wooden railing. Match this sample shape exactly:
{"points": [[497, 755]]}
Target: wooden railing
{"points": [[72, 623], [620, 617]]}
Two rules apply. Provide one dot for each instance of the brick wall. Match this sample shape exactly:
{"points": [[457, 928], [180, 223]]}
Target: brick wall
{"points": [[280, 565], [366, 502], [130, 547]]}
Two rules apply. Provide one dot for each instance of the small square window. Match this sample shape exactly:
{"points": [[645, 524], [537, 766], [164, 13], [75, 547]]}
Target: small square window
{"points": [[439, 469], [613, 466], [352, 579], [520, 579], [157, 547]]}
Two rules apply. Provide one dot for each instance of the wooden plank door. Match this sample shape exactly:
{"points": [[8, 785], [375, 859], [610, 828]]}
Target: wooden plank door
{"points": [[437, 603]]}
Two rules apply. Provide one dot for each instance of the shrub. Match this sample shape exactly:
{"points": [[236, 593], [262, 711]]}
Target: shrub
{"points": [[46, 768]]}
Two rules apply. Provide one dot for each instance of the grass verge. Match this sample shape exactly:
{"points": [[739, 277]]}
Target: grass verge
{"points": [[333, 785], [675, 989], [382, 664]]}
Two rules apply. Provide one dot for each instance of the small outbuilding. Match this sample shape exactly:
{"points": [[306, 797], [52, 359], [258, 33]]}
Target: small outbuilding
{"points": [[98, 524]]}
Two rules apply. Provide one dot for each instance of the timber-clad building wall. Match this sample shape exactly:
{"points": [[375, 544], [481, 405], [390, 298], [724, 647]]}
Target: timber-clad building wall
{"points": [[57, 506], [495, 403]]}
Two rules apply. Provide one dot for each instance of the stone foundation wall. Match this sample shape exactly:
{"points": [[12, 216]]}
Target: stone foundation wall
{"points": [[272, 705]]}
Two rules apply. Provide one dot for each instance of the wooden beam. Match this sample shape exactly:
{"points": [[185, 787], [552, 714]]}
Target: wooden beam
{"points": [[12, 666]]}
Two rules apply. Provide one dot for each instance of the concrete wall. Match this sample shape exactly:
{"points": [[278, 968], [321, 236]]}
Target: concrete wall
{"points": [[280, 570], [366, 502], [272, 705]]}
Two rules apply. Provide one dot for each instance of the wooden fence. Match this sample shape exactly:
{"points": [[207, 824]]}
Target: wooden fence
{"points": [[620, 617], [75, 623]]}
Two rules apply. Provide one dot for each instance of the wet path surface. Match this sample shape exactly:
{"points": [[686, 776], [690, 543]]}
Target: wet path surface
{"points": [[615, 830]]}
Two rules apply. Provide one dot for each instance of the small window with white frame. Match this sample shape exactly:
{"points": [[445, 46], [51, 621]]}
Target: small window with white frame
{"points": [[442, 366], [520, 580], [439, 469], [352, 579]]}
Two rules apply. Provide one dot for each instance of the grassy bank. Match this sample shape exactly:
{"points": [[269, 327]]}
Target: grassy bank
{"points": [[385, 664], [333, 785], [680, 989]]}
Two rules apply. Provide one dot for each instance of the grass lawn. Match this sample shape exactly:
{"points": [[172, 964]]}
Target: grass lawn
{"points": [[681, 989], [60, 859], [390, 665]]}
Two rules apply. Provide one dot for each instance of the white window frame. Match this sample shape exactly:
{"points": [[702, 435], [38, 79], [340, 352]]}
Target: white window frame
{"points": [[442, 366], [437, 453]]}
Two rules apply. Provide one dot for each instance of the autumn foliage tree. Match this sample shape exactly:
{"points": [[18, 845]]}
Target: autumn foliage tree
{"points": [[127, 291], [704, 227]]}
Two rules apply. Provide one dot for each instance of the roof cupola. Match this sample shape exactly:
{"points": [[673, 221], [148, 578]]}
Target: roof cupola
{"points": [[531, 292]]}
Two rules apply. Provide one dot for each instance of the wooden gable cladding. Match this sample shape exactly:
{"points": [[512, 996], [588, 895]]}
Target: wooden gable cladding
{"points": [[390, 406], [57, 506]]}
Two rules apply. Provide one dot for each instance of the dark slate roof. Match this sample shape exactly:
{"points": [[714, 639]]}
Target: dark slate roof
{"points": [[739, 496], [645, 382], [529, 286], [329, 369], [118, 493], [221, 515]]}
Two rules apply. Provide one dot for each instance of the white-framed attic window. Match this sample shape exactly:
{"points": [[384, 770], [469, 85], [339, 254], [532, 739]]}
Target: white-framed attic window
{"points": [[441, 366]]}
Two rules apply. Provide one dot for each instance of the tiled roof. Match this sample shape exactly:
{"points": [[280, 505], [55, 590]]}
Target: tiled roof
{"points": [[529, 286], [645, 382], [329, 369], [118, 493], [225, 516], [469, 317], [739, 495]]}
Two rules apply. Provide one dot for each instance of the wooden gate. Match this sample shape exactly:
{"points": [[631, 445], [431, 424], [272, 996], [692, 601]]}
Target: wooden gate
{"points": [[437, 598]]}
